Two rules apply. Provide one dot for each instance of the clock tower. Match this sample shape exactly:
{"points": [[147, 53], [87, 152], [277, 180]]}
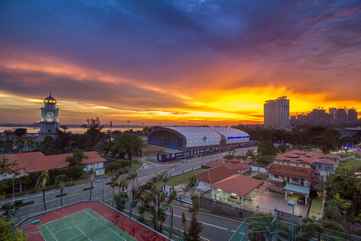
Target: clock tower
{"points": [[49, 117]]}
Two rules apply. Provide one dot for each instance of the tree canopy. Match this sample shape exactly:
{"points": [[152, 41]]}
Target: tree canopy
{"points": [[7, 232], [126, 145]]}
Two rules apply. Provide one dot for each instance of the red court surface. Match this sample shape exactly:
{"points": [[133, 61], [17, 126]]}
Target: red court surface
{"points": [[137, 230]]}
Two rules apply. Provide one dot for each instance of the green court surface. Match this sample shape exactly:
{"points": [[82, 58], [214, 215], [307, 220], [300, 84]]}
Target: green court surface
{"points": [[86, 225]]}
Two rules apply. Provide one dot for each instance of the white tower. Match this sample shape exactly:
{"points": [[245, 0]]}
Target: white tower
{"points": [[49, 117]]}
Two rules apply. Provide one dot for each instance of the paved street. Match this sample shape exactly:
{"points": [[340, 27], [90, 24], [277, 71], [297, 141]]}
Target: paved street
{"points": [[214, 227]]}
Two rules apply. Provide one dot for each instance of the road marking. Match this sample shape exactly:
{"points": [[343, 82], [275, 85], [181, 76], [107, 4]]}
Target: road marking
{"points": [[181, 230], [207, 224], [210, 214]]}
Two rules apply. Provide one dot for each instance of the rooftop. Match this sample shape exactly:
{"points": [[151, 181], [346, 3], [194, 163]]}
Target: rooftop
{"points": [[215, 174], [310, 157], [292, 171], [297, 189], [29, 162], [238, 184]]}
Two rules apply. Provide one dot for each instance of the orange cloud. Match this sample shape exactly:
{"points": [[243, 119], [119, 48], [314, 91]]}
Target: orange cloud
{"points": [[227, 99]]}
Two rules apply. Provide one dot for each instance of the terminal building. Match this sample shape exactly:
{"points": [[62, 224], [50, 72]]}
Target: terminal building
{"points": [[192, 141]]}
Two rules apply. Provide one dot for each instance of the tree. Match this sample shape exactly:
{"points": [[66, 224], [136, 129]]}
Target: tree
{"points": [[9, 233], [117, 166], [195, 202], [47, 146], [6, 166], [310, 230], [60, 183], [41, 185], [184, 223], [93, 133], [154, 201], [20, 132], [266, 148], [192, 182], [344, 191], [132, 177], [120, 200], [126, 145], [75, 167], [195, 228], [266, 152]]}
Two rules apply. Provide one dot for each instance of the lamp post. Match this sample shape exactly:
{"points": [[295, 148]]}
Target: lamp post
{"points": [[92, 178]]}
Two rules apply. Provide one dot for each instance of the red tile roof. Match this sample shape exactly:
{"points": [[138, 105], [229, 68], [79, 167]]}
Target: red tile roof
{"points": [[29, 162], [215, 174], [292, 171], [238, 184], [309, 157]]}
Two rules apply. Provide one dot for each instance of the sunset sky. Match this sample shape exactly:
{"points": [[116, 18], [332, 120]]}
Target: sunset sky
{"points": [[177, 61]]}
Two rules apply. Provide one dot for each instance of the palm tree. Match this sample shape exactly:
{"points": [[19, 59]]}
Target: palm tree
{"points": [[184, 224], [154, 200], [132, 177], [60, 182], [41, 185]]}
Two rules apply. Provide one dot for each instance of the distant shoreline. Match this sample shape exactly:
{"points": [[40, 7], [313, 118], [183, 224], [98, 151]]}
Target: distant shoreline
{"points": [[12, 125]]}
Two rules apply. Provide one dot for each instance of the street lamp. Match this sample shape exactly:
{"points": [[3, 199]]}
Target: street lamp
{"points": [[92, 178]]}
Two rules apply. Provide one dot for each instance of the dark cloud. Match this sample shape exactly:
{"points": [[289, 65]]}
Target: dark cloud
{"points": [[304, 46], [116, 95]]}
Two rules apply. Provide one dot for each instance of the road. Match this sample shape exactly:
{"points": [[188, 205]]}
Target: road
{"points": [[215, 227]]}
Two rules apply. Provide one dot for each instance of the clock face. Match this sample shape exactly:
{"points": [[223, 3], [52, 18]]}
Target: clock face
{"points": [[50, 116]]}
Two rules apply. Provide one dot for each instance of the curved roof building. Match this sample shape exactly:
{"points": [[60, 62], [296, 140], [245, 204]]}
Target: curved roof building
{"points": [[183, 138]]}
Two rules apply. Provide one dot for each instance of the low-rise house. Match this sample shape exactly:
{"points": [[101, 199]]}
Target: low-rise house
{"points": [[324, 164], [256, 168], [293, 179], [234, 189], [298, 175], [32, 162], [209, 177], [297, 171]]}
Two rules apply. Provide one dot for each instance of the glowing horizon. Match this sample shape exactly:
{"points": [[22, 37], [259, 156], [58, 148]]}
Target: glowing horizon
{"points": [[126, 61]]}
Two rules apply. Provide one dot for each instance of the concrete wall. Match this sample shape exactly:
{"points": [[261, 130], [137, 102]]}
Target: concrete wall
{"points": [[220, 208]]}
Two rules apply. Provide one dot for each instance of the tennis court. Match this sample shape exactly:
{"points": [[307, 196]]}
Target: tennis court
{"points": [[85, 225]]}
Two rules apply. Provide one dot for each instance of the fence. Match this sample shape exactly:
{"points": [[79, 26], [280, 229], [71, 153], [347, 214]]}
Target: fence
{"points": [[34, 205]]}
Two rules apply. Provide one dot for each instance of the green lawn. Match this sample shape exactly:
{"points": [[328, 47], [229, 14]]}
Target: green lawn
{"points": [[351, 164], [184, 178], [315, 210]]}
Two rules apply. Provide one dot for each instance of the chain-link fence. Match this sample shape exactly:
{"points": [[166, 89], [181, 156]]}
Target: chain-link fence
{"points": [[22, 208]]}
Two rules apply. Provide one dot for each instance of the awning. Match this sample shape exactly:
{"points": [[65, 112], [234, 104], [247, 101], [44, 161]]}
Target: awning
{"points": [[297, 189]]}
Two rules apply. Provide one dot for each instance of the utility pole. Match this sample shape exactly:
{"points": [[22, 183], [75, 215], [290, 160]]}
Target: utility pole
{"points": [[171, 222]]}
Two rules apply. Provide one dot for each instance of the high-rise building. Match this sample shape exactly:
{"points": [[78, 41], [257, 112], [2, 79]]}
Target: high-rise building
{"points": [[352, 115], [319, 117], [332, 112], [49, 117], [341, 116], [277, 113]]}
